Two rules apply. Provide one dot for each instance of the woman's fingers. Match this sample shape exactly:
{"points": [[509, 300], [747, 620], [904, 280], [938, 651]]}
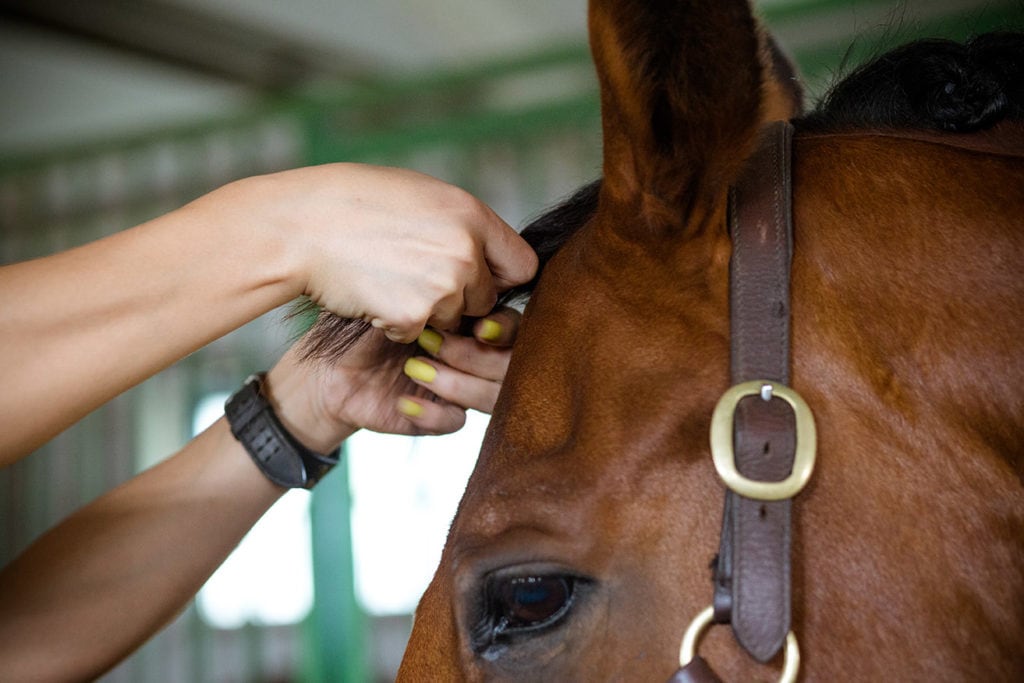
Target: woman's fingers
{"points": [[464, 372], [431, 416], [461, 388], [499, 327], [510, 259], [486, 354]]}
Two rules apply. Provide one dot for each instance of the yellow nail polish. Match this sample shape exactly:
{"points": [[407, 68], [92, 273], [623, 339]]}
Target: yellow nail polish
{"points": [[490, 330], [409, 407], [420, 371], [430, 341]]}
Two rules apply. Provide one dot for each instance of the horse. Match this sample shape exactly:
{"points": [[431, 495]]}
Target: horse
{"points": [[582, 546], [586, 541]]}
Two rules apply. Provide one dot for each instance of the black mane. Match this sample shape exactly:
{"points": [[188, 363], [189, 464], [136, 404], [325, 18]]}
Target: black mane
{"points": [[930, 84], [549, 231]]}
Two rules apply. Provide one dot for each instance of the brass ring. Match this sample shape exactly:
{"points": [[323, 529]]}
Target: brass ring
{"points": [[695, 631], [724, 455]]}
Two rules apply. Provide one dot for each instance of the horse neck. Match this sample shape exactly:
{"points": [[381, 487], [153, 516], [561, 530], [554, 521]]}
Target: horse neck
{"points": [[908, 287]]}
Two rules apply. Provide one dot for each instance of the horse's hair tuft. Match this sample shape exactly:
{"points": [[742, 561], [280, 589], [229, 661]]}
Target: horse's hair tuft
{"points": [[549, 231], [330, 335], [931, 84]]}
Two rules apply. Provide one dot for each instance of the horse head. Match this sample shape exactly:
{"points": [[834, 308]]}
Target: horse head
{"points": [[581, 548]]}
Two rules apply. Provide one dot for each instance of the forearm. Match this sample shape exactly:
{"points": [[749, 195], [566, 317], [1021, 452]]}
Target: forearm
{"points": [[94, 588], [80, 327]]}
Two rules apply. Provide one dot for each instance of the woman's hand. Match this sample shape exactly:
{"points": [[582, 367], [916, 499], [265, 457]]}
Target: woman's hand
{"points": [[393, 247], [382, 386]]}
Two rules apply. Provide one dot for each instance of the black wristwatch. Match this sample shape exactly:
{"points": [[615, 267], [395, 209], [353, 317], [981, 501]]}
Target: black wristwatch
{"points": [[278, 454]]}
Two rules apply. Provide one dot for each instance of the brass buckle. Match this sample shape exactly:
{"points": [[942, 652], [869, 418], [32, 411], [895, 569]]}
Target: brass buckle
{"points": [[723, 453], [695, 631]]}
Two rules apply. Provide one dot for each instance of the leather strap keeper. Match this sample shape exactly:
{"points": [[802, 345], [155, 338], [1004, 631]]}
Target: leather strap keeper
{"points": [[697, 671], [278, 454]]}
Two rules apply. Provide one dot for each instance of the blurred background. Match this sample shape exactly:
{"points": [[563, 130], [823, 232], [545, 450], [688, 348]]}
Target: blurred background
{"points": [[115, 111]]}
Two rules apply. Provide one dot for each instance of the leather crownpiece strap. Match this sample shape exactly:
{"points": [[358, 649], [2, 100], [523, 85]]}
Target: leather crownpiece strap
{"points": [[752, 573]]}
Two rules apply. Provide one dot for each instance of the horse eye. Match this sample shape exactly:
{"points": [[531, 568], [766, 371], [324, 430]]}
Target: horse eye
{"points": [[525, 603]]}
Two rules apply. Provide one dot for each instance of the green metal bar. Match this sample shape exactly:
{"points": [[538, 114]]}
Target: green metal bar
{"points": [[559, 56], [291, 107], [252, 637], [461, 130], [199, 645], [999, 13]]}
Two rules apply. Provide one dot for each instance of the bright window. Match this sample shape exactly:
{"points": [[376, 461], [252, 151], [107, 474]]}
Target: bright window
{"points": [[268, 579], [404, 494]]}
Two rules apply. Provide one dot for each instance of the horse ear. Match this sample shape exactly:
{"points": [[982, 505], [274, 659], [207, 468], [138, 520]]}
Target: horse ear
{"points": [[683, 95]]}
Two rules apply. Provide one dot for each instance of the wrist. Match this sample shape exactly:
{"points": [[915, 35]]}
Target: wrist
{"points": [[291, 387], [251, 215]]}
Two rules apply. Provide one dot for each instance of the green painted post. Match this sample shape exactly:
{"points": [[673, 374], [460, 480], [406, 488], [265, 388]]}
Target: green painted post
{"points": [[335, 633]]}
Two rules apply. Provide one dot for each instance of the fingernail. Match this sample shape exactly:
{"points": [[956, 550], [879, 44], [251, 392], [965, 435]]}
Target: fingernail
{"points": [[490, 330], [430, 341], [409, 407], [418, 370]]}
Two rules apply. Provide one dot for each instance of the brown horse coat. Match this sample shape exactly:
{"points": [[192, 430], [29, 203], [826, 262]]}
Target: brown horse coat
{"points": [[595, 485]]}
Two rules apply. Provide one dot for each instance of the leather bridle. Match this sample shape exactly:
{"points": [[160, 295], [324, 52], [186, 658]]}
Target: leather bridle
{"points": [[762, 432]]}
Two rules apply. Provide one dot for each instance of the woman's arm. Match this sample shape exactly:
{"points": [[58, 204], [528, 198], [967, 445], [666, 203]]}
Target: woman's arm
{"points": [[94, 588], [98, 585], [393, 247]]}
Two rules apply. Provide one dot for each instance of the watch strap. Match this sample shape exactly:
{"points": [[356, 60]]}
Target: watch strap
{"points": [[278, 454]]}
